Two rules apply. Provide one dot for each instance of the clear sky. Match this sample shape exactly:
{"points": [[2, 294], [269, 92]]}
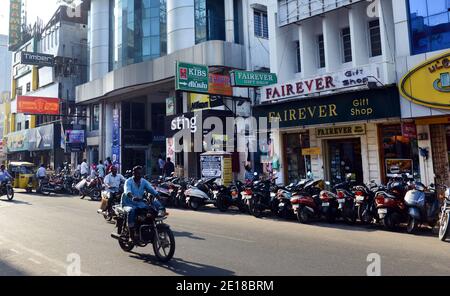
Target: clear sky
{"points": [[44, 9]]}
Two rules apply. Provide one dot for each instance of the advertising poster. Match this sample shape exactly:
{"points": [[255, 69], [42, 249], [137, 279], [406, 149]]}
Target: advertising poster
{"points": [[115, 157], [399, 167]]}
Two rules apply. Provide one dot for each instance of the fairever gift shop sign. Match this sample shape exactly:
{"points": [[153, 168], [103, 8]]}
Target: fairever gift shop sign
{"points": [[354, 78]]}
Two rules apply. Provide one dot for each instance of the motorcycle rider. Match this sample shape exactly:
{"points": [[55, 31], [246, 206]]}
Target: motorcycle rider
{"points": [[132, 199], [4, 175], [112, 183], [41, 174]]}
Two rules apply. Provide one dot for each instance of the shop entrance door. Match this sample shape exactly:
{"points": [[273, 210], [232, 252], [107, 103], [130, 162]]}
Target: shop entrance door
{"points": [[344, 157], [133, 157]]}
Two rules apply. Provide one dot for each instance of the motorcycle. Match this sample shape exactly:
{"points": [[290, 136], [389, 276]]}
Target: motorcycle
{"points": [[307, 204], [6, 189], [285, 197], [423, 207], [167, 190], [339, 202], [52, 184], [261, 196], [151, 230], [91, 187], [444, 229], [227, 197], [180, 188], [365, 202], [200, 194], [110, 200], [390, 203]]}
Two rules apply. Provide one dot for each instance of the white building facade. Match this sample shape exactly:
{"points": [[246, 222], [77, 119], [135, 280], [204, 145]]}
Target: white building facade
{"points": [[336, 97], [134, 47]]}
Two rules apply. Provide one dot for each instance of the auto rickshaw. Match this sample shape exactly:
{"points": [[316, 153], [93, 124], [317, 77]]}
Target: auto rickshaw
{"points": [[24, 175]]}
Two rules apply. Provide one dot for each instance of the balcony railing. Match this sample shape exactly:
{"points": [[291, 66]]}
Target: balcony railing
{"points": [[292, 11]]}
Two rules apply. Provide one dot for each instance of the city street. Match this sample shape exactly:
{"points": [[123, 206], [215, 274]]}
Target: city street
{"points": [[41, 235]]}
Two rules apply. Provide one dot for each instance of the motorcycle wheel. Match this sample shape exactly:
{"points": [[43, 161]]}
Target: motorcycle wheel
{"points": [[194, 204], [96, 195], [107, 215], [389, 223], [303, 215], [164, 247], [444, 230], [255, 208], [45, 191], [242, 207], [9, 193], [221, 204], [412, 225], [330, 217]]}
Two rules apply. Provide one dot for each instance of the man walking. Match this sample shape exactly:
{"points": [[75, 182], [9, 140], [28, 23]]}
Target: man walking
{"points": [[169, 168], [84, 169]]}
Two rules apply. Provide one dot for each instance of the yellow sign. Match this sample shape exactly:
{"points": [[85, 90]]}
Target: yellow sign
{"points": [[432, 120], [429, 83], [199, 102], [336, 131], [312, 151]]}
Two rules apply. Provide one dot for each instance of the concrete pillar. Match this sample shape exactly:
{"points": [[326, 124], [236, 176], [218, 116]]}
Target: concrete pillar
{"points": [[331, 37], [358, 29], [229, 21], [180, 25], [308, 49], [387, 32], [108, 130], [99, 44]]}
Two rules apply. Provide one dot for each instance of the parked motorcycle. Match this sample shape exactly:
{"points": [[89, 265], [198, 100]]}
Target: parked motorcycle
{"points": [[200, 194], [261, 196], [365, 202], [339, 202], [423, 207], [180, 188], [6, 189], [227, 197], [151, 230], [444, 229], [307, 204], [52, 184], [167, 190]]}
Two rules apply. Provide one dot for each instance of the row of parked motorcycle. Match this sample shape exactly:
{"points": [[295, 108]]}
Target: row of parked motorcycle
{"points": [[401, 201]]}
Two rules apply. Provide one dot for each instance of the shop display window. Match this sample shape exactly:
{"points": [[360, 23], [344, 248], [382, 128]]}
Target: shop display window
{"points": [[297, 165]]}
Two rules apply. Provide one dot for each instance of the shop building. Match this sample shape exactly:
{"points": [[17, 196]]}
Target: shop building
{"points": [[423, 67], [45, 70], [5, 90], [336, 102], [134, 47]]}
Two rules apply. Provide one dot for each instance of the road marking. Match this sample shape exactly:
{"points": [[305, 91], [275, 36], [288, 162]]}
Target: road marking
{"points": [[217, 235], [34, 261], [14, 251]]}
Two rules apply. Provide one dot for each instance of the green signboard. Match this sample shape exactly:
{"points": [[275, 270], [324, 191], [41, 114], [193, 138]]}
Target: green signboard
{"points": [[252, 79], [192, 78]]}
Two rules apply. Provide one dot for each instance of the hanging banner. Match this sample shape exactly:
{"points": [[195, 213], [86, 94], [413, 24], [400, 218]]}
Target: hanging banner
{"points": [[116, 138]]}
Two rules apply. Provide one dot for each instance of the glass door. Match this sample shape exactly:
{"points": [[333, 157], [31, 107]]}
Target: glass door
{"points": [[344, 157], [297, 165]]}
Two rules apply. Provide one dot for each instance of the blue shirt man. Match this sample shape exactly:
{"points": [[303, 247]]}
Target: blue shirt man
{"points": [[4, 174], [132, 199]]}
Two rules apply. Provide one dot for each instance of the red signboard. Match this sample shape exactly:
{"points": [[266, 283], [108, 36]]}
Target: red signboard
{"points": [[37, 105], [409, 130], [220, 85]]}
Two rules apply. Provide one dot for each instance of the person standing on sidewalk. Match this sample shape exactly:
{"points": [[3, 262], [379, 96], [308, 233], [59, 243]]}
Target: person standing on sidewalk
{"points": [[84, 169], [169, 168], [161, 164]]}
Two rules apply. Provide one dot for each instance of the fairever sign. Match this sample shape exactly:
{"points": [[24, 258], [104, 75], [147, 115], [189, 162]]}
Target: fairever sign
{"points": [[356, 78]]}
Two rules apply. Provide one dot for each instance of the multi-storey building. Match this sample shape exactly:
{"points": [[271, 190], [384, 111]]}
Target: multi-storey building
{"points": [[422, 43], [34, 137], [336, 103], [134, 47], [5, 89]]}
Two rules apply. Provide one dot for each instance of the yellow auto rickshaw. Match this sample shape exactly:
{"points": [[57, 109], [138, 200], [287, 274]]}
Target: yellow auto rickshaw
{"points": [[24, 175]]}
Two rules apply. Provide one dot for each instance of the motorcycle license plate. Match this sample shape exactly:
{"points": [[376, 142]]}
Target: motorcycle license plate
{"points": [[359, 198], [247, 196], [325, 204], [281, 204], [295, 207], [382, 211], [341, 201]]}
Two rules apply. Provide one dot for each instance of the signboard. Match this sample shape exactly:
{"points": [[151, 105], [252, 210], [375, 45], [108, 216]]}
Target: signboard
{"points": [[36, 139], [170, 106], [252, 79], [311, 151], [38, 105], [199, 102], [211, 166], [428, 84], [115, 149], [37, 59], [220, 85], [339, 131], [15, 22], [191, 77], [409, 130], [348, 107], [300, 88], [399, 167]]}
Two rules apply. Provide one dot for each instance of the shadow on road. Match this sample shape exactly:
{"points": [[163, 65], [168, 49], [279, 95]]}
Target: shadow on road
{"points": [[18, 202], [184, 268], [187, 235], [8, 270]]}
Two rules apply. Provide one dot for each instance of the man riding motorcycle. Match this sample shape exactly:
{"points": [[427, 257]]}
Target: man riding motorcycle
{"points": [[4, 175], [133, 197], [112, 183]]}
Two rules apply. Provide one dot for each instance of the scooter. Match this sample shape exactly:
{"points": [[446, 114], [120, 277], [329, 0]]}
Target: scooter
{"points": [[200, 194], [90, 187], [307, 204], [423, 207], [444, 229], [227, 197]]}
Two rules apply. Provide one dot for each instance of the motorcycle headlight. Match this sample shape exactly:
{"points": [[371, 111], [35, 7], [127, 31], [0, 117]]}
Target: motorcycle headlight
{"points": [[162, 213]]}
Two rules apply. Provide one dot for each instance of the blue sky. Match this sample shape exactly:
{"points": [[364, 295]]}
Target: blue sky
{"points": [[42, 8]]}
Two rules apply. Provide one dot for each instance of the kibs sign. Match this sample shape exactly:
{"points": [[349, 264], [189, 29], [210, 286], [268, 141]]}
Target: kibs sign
{"points": [[428, 84], [192, 77]]}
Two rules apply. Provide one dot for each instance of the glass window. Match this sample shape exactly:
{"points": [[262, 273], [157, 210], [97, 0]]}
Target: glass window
{"points": [[375, 38], [321, 51], [429, 23], [346, 45], [299, 60], [209, 20], [95, 118], [298, 165], [260, 24]]}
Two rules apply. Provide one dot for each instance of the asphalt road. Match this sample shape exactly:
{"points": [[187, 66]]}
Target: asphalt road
{"points": [[46, 235]]}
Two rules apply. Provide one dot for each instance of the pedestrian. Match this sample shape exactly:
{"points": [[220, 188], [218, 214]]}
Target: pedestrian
{"points": [[108, 165], [161, 164], [101, 169], [249, 174], [94, 172], [84, 169], [169, 168]]}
